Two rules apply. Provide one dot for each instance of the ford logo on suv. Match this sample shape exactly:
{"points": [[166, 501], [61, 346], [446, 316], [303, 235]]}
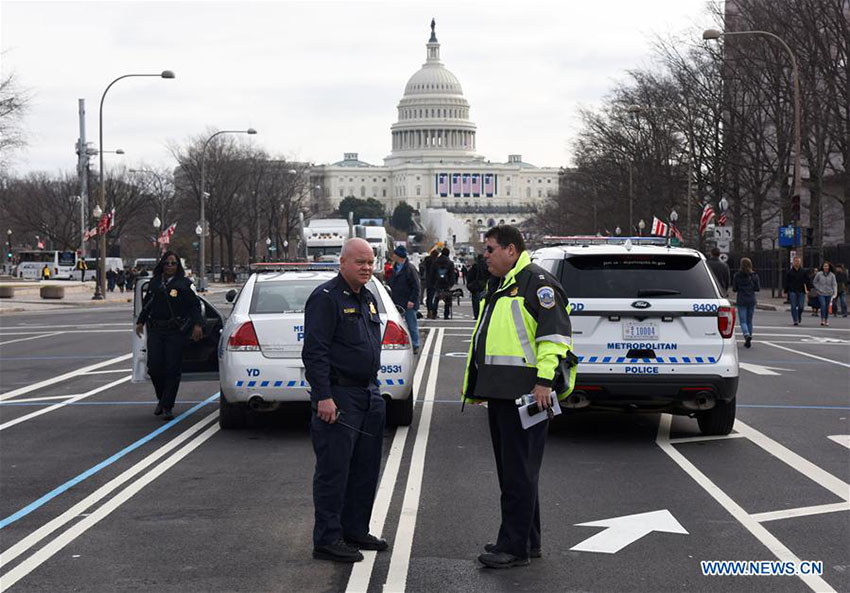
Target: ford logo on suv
{"points": [[641, 305]]}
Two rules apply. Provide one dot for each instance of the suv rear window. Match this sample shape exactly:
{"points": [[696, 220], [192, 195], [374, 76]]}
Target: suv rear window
{"points": [[631, 275], [291, 296]]}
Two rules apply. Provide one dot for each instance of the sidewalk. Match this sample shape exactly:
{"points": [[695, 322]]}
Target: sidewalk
{"points": [[77, 294]]}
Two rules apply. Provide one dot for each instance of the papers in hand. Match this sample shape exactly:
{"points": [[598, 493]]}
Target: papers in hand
{"points": [[529, 414]]}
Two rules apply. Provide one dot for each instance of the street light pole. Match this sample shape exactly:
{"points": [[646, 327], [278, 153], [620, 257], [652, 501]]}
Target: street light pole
{"points": [[714, 34], [100, 285], [202, 279]]}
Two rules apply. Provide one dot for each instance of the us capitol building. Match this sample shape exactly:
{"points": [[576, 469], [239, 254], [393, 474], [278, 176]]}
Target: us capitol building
{"points": [[434, 167]]}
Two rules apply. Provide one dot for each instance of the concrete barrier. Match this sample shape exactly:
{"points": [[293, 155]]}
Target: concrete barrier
{"points": [[7, 292], [52, 292]]}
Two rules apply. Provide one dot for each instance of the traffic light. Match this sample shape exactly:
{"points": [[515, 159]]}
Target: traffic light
{"points": [[810, 236]]}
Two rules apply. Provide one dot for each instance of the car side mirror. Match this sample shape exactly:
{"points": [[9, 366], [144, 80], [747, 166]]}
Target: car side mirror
{"points": [[231, 295]]}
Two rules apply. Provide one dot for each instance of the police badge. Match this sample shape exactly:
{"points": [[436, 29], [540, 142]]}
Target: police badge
{"points": [[546, 296], [173, 292]]}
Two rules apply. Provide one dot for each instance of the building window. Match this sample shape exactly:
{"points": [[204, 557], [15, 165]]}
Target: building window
{"points": [[527, 192], [384, 193], [341, 193], [479, 221], [502, 221], [513, 220], [508, 191], [548, 181], [539, 193], [418, 190], [362, 191], [384, 179], [374, 191], [417, 178], [491, 222]]}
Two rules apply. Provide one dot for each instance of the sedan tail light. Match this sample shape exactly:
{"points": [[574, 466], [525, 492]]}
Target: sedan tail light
{"points": [[244, 339], [395, 338], [726, 321]]}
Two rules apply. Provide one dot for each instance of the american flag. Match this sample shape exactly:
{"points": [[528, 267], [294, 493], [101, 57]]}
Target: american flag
{"points": [[721, 220], [489, 185], [476, 184], [165, 237], [40, 244], [707, 215], [456, 184], [442, 184], [659, 229], [466, 184], [675, 232]]}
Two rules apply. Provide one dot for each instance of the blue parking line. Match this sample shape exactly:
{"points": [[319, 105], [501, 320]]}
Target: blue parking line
{"points": [[105, 463]]}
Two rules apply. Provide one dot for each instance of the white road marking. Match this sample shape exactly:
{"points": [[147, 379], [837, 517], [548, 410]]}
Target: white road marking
{"points": [[681, 440], [403, 543], [820, 476], [77, 510], [844, 364], [92, 330], [841, 439], [55, 545], [71, 400], [74, 326], [622, 531], [760, 369], [802, 512], [43, 399], [35, 337], [109, 371], [772, 543], [64, 377], [361, 572]]}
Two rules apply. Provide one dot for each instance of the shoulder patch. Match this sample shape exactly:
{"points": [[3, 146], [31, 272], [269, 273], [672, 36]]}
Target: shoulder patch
{"points": [[546, 296]]}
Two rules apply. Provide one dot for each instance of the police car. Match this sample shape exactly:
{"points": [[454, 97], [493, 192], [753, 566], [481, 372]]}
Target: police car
{"points": [[650, 328], [258, 356]]}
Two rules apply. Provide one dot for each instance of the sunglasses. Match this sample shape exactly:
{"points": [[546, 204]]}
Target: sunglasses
{"points": [[169, 263]]}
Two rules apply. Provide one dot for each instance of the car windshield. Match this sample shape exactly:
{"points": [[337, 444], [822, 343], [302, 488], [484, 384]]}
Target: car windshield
{"points": [[637, 275], [291, 296]]}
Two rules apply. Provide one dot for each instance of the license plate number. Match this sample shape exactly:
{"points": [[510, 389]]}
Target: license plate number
{"points": [[640, 331]]}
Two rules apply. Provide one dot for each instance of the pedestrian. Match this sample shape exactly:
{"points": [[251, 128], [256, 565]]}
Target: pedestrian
{"points": [[720, 271], [841, 299], [509, 357], [120, 279], [342, 355], [110, 280], [131, 278], [477, 282], [388, 267], [404, 282], [430, 290], [443, 277], [170, 312], [797, 286], [813, 295], [826, 288], [82, 267], [45, 272], [746, 284]]}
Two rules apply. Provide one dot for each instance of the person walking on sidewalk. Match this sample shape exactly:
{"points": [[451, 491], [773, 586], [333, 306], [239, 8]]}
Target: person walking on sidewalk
{"points": [[82, 267], [720, 271], [746, 284], [45, 272], [797, 286], [841, 280], [826, 288]]}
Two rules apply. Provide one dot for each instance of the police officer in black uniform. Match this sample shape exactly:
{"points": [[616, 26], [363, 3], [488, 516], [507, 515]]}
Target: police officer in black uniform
{"points": [[171, 311], [342, 355]]}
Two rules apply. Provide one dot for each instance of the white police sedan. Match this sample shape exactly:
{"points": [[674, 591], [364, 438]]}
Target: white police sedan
{"points": [[258, 359]]}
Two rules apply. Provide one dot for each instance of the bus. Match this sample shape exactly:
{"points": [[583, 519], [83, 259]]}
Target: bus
{"points": [[61, 263]]}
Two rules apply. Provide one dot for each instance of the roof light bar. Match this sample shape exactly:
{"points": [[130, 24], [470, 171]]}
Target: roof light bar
{"points": [[594, 240]]}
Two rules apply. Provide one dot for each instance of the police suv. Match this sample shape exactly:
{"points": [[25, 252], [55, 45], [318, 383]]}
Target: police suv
{"points": [[256, 352], [650, 328]]}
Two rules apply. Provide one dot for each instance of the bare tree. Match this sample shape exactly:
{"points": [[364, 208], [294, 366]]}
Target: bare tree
{"points": [[14, 102]]}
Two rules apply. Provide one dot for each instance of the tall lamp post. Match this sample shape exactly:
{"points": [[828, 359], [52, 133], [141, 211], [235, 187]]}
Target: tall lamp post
{"points": [[714, 34], [100, 285], [202, 279]]}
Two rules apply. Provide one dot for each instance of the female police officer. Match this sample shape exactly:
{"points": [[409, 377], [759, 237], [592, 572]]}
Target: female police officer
{"points": [[170, 309]]}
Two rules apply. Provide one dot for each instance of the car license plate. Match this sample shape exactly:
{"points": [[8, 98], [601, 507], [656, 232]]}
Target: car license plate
{"points": [[640, 331]]}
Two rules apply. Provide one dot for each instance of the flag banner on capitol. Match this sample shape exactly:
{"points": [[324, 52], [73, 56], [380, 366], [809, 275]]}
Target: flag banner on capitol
{"points": [[476, 185], [465, 188], [456, 184], [658, 228], [442, 184], [489, 184]]}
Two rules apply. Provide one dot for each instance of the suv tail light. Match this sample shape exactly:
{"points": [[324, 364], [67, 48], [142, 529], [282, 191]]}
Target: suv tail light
{"points": [[726, 321], [244, 339], [395, 338]]}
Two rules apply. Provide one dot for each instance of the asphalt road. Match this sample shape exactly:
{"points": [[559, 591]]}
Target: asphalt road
{"points": [[97, 494]]}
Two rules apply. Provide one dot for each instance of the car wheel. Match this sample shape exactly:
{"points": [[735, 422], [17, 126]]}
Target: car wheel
{"points": [[719, 419], [400, 412], [230, 416]]}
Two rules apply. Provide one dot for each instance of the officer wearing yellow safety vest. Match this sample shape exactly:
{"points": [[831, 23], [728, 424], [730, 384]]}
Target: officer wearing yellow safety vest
{"points": [[522, 343]]}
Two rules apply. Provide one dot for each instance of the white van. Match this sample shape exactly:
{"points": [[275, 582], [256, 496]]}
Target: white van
{"points": [[112, 263]]}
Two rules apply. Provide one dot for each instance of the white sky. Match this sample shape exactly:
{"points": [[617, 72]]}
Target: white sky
{"points": [[318, 78]]}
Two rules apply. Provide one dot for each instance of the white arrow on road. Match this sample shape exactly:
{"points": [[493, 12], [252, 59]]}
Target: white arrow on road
{"points": [[841, 439], [623, 531], [761, 370]]}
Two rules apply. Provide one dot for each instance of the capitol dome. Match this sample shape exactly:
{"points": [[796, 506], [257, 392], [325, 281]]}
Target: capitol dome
{"points": [[433, 115]]}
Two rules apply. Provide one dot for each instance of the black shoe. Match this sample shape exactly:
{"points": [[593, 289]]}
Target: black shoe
{"points": [[337, 552], [167, 415], [502, 560], [367, 542], [748, 341], [158, 410], [533, 553], [415, 350]]}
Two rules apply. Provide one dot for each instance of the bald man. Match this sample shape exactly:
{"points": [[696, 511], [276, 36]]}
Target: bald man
{"points": [[342, 355]]}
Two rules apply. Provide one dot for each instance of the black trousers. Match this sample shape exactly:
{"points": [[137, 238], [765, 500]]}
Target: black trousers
{"points": [[475, 297], [519, 454], [165, 362], [348, 464]]}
